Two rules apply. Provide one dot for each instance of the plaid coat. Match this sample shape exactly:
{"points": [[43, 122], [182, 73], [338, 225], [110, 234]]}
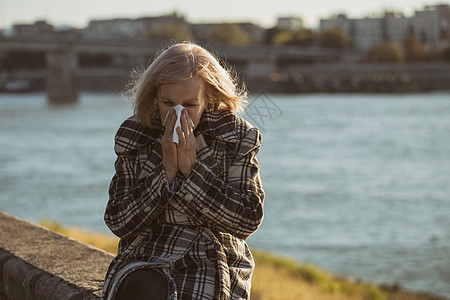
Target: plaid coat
{"points": [[193, 230]]}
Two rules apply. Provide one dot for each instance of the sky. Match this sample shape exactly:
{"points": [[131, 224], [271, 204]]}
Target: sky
{"points": [[77, 13]]}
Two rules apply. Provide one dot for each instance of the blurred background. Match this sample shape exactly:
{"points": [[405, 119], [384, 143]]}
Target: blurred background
{"points": [[290, 48], [353, 100]]}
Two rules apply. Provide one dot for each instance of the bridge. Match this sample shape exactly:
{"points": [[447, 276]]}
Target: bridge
{"points": [[62, 52]]}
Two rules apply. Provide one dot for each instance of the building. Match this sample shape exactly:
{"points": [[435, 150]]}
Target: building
{"points": [[443, 16], [206, 31], [430, 26], [290, 23], [114, 27], [366, 33], [38, 28], [341, 21], [425, 26], [363, 33], [147, 27], [395, 28]]}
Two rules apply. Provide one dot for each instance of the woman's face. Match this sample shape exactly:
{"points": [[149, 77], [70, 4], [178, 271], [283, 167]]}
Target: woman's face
{"points": [[188, 93]]}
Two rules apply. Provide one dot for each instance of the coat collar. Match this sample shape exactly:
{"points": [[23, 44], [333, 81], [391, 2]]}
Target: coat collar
{"points": [[218, 125], [132, 134]]}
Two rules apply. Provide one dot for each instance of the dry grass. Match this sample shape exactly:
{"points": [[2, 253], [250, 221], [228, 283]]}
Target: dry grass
{"points": [[280, 278], [275, 278], [99, 240]]}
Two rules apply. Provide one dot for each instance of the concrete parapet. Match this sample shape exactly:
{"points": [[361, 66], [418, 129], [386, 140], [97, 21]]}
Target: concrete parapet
{"points": [[36, 263]]}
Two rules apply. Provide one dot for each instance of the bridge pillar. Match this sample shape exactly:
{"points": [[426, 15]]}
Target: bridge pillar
{"points": [[62, 80]]}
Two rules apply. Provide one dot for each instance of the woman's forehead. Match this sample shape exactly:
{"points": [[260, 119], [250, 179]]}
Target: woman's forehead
{"points": [[187, 89]]}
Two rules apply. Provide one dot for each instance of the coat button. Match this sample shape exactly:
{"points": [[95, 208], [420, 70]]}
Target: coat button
{"points": [[188, 197], [147, 209], [205, 211]]}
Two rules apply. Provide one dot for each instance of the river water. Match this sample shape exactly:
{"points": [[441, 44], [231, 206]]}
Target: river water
{"points": [[356, 184]]}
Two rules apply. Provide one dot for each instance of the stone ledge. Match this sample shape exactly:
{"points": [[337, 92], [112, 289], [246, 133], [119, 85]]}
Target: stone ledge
{"points": [[36, 263]]}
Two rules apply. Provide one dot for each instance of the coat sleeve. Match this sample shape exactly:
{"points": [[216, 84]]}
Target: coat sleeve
{"points": [[234, 205], [134, 201]]}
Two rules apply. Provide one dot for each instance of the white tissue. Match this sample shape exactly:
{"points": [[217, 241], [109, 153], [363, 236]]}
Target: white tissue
{"points": [[178, 109]]}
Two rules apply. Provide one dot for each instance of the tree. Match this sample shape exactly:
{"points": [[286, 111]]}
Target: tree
{"points": [[304, 37], [414, 50], [385, 53], [176, 31], [229, 33], [333, 38], [269, 35], [301, 37], [282, 37]]}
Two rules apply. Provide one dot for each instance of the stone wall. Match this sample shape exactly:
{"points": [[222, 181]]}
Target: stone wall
{"points": [[38, 264]]}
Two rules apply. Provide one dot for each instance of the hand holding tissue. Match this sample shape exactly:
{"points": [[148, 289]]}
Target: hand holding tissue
{"points": [[178, 110]]}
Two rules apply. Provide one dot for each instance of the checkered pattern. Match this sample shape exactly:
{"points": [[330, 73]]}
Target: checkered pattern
{"points": [[194, 228]]}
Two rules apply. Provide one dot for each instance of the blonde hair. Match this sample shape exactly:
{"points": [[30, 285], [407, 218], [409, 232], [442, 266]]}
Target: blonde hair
{"points": [[180, 62]]}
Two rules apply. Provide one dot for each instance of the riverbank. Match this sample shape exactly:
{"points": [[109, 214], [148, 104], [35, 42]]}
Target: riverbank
{"points": [[276, 277]]}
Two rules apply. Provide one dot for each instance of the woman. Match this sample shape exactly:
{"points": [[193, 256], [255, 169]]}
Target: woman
{"points": [[183, 210]]}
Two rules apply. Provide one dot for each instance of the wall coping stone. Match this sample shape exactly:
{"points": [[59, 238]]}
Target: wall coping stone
{"points": [[36, 263]]}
